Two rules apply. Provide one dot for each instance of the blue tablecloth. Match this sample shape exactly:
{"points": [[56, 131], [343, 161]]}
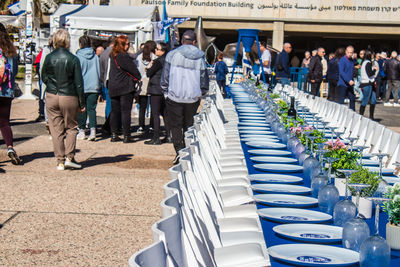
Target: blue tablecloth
{"points": [[272, 239]]}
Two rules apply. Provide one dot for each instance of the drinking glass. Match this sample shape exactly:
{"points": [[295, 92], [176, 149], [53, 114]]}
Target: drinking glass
{"points": [[360, 150], [380, 156], [345, 209], [328, 196], [310, 165], [356, 230], [375, 251]]}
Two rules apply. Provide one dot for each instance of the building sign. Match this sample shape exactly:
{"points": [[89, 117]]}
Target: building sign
{"points": [[346, 11]]}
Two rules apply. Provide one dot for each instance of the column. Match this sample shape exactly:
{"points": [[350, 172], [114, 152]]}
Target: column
{"points": [[278, 34]]}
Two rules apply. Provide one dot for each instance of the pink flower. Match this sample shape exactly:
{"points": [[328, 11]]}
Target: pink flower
{"points": [[329, 143], [308, 128]]}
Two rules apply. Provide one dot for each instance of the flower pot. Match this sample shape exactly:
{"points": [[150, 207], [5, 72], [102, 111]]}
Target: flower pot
{"points": [[393, 236], [340, 184], [364, 207]]}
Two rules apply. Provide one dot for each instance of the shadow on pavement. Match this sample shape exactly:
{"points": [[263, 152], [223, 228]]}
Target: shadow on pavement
{"points": [[106, 160], [36, 155], [17, 140]]}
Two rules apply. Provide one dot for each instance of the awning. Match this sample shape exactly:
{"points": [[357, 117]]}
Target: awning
{"points": [[104, 18]]}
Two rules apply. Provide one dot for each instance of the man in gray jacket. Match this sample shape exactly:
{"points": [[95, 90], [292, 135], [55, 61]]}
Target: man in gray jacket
{"points": [[184, 81]]}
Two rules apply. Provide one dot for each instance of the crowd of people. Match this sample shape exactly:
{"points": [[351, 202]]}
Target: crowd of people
{"points": [[369, 75], [173, 82]]}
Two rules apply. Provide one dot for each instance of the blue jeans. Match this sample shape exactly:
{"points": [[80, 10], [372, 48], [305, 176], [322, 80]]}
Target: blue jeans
{"points": [[368, 96], [283, 81], [357, 87]]}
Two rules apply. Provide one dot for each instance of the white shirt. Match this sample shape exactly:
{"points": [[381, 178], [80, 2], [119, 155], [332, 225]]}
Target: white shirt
{"points": [[266, 56]]}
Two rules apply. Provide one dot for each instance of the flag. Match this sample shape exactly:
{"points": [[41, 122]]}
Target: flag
{"points": [[246, 63], [165, 18], [16, 8]]}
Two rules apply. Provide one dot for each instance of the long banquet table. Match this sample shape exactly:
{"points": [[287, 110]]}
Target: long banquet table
{"points": [[271, 238]]}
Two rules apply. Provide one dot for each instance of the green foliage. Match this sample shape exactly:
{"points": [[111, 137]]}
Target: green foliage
{"points": [[274, 95], [364, 176], [392, 207], [347, 159]]}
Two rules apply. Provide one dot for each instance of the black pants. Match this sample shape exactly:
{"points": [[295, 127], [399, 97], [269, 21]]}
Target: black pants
{"points": [[121, 108], [143, 102], [180, 118], [346, 91], [157, 103], [315, 88], [332, 94], [222, 85]]}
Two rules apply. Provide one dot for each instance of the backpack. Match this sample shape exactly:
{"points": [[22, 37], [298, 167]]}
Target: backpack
{"points": [[279, 66], [5, 71]]}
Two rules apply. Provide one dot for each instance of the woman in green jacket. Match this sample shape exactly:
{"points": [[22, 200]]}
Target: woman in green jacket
{"points": [[64, 99]]}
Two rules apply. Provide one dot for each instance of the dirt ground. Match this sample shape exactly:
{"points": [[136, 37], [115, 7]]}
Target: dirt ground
{"points": [[97, 216]]}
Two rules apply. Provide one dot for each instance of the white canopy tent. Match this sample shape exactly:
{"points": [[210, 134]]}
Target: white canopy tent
{"points": [[17, 21], [124, 19]]}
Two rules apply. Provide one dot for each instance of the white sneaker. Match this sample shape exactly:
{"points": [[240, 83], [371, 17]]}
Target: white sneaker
{"points": [[396, 105], [140, 130], [388, 104], [71, 163], [60, 167], [92, 136], [81, 135]]}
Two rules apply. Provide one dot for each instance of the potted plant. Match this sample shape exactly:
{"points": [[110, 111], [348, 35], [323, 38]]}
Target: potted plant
{"points": [[345, 160], [392, 208], [364, 176]]}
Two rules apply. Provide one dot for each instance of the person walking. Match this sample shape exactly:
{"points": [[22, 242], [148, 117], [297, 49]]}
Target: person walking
{"points": [[62, 75], [104, 76], [143, 63], [368, 73], [184, 81], [315, 71], [221, 70], [266, 60], [8, 56], [381, 81], [306, 60], [157, 100], [91, 86], [345, 83], [282, 67], [122, 88], [392, 71], [332, 73]]}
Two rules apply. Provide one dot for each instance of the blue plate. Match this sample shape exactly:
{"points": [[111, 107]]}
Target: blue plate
{"points": [[314, 255], [391, 179], [370, 162], [315, 233], [292, 215], [253, 120], [257, 128], [270, 152], [279, 200], [269, 159], [385, 171], [257, 132], [266, 144], [278, 168], [259, 124], [273, 178], [252, 114], [250, 139], [281, 189]]}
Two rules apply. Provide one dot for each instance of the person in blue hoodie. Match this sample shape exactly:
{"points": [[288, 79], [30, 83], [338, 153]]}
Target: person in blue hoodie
{"points": [[184, 81], [221, 70], [346, 83], [91, 83]]}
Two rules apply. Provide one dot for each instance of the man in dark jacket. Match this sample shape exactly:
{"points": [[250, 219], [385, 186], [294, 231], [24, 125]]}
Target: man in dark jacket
{"points": [[282, 65], [332, 75], [315, 71], [184, 81], [392, 71]]}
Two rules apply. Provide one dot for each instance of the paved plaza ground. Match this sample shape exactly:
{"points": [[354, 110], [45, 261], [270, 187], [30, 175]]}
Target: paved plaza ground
{"points": [[97, 216]]}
